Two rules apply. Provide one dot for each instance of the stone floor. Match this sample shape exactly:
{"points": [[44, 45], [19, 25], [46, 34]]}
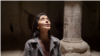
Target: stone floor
{"points": [[12, 53], [95, 53], [20, 53]]}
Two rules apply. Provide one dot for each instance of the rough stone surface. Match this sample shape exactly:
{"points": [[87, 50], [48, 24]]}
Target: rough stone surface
{"points": [[72, 44], [75, 48]]}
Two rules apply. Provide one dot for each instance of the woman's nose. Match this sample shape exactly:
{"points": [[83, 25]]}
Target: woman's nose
{"points": [[46, 21]]}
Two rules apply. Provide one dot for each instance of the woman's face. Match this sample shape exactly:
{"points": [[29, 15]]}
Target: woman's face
{"points": [[44, 23]]}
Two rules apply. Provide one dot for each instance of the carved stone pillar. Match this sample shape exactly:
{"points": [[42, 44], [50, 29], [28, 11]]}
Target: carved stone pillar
{"points": [[72, 43]]}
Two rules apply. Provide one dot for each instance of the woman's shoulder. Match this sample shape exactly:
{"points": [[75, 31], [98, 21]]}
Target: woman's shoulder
{"points": [[32, 40], [54, 38]]}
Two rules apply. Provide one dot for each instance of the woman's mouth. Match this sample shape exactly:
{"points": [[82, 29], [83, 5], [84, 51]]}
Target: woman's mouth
{"points": [[47, 25]]}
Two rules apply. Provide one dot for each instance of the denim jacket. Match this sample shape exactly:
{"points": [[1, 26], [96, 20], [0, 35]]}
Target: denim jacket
{"points": [[33, 48]]}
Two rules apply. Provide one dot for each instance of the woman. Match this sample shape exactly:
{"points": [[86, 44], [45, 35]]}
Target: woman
{"points": [[42, 44]]}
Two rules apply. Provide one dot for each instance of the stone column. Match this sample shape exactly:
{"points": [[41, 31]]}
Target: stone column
{"points": [[72, 43]]}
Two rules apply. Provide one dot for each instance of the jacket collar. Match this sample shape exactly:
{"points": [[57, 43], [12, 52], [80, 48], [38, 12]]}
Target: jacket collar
{"points": [[53, 41]]}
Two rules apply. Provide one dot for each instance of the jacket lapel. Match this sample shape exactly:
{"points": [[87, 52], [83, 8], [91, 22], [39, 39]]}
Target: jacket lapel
{"points": [[53, 44], [39, 47]]}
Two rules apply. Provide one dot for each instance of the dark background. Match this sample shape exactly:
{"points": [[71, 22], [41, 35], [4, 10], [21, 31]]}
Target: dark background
{"points": [[17, 18]]}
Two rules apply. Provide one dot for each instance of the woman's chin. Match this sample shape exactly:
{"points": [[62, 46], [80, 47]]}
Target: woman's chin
{"points": [[47, 28]]}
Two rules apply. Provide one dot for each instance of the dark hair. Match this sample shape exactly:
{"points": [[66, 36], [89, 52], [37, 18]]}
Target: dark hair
{"points": [[35, 31]]}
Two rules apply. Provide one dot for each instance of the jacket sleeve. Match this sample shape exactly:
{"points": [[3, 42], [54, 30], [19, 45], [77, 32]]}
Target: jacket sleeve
{"points": [[27, 51]]}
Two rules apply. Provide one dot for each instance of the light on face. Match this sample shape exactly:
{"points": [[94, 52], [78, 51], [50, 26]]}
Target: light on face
{"points": [[44, 22]]}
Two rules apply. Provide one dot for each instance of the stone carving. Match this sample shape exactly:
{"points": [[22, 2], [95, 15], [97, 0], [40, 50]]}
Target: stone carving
{"points": [[75, 48], [72, 43]]}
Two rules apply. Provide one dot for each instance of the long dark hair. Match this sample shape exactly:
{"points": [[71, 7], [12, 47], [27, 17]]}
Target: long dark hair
{"points": [[35, 31]]}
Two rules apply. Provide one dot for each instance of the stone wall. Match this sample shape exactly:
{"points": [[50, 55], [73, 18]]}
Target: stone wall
{"points": [[17, 18], [90, 23]]}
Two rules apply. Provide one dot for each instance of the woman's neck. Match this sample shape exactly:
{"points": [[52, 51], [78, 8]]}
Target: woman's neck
{"points": [[44, 36]]}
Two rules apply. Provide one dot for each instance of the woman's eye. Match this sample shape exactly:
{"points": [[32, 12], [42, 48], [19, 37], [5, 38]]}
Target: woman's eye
{"points": [[42, 18]]}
